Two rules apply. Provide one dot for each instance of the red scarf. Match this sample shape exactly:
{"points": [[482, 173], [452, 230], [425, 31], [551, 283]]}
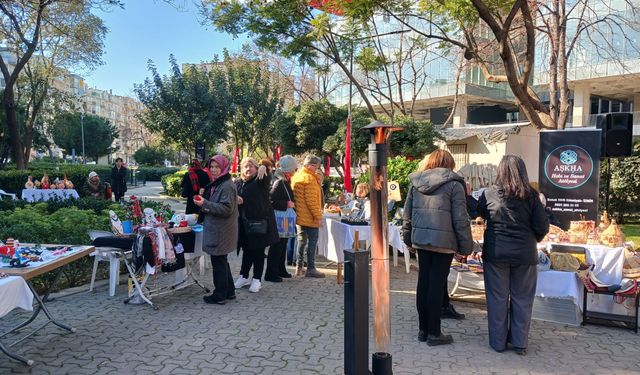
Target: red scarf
{"points": [[193, 177]]}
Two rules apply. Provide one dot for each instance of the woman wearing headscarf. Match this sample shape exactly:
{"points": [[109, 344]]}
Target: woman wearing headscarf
{"points": [[436, 224], [516, 222], [282, 199], [192, 183], [257, 221], [220, 210]]}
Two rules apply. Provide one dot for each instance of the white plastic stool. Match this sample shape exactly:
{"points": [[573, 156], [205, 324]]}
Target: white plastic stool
{"points": [[103, 254]]}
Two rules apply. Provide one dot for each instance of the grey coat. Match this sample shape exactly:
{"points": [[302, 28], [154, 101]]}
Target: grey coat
{"points": [[220, 212], [435, 213]]}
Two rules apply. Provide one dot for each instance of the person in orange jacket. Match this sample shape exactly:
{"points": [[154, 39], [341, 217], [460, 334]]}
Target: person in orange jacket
{"points": [[307, 191]]}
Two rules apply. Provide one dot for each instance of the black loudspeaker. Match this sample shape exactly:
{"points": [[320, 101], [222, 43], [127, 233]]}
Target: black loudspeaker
{"points": [[617, 134]]}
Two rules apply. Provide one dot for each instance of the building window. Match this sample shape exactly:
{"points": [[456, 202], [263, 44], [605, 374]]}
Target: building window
{"points": [[459, 153]]}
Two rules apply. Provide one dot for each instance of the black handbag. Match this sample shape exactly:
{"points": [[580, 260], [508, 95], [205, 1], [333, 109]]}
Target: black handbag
{"points": [[254, 226]]}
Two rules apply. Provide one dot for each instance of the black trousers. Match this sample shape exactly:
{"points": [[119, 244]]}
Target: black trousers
{"points": [[252, 258], [510, 291], [118, 196], [222, 279], [432, 279], [276, 259]]}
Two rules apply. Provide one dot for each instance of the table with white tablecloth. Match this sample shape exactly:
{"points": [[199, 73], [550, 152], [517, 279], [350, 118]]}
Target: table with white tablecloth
{"points": [[14, 293], [566, 285], [335, 236], [36, 195]]}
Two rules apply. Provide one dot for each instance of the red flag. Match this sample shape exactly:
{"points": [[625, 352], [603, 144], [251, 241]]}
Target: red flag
{"points": [[278, 151], [347, 158], [327, 168], [234, 166]]}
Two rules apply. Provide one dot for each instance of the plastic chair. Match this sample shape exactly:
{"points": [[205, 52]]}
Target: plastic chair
{"points": [[103, 254], [13, 196]]}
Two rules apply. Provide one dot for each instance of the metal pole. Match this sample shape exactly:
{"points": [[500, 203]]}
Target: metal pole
{"points": [[84, 159], [356, 312], [606, 198]]}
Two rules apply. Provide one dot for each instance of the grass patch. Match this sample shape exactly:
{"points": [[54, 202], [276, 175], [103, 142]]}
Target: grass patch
{"points": [[632, 233]]}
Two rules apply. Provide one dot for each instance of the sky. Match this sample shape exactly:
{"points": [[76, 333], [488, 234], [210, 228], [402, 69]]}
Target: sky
{"points": [[153, 29]]}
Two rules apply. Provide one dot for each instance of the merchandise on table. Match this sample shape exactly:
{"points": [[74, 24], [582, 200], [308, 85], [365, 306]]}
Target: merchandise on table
{"points": [[20, 256], [612, 236], [581, 230], [631, 268]]}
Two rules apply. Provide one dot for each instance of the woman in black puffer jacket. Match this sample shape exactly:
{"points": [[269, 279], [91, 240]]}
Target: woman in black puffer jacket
{"points": [[516, 221], [436, 223]]}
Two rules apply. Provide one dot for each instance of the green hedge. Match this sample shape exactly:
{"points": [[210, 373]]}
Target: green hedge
{"points": [[13, 180], [172, 183]]}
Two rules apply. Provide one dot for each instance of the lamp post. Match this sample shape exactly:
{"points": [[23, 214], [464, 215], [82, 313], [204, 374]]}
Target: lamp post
{"points": [[378, 155], [84, 159]]}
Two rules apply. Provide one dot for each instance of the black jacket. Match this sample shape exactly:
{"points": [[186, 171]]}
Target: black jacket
{"points": [[435, 213], [514, 227], [119, 180], [472, 207], [257, 205], [187, 190], [281, 193]]}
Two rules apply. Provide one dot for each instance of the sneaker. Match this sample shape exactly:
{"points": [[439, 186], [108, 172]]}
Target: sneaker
{"points": [[422, 336], [450, 312], [299, 271], [231, 297], [312, 272], [439, 340], [255, 286], [242, 282]]}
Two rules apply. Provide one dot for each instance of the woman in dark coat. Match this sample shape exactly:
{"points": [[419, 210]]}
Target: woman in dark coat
{"points": [[192, 183], [281, 199], [436, 223], [516, 222], [253, 198], [220, 210], [119, 180]]}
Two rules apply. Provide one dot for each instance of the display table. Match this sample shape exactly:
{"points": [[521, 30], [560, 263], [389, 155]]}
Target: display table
{"points": [[36, 269], [335, 236], [36, 195], [554, 287], [14, 293]]}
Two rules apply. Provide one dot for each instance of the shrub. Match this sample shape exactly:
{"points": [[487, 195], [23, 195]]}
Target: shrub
{"points": [[172, 183], [398, 169], [13, 180], [151, 155]]}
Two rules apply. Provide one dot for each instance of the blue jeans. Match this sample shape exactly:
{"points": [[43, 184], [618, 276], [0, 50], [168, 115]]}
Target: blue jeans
{"points": [[291, 250], [307, 239]]}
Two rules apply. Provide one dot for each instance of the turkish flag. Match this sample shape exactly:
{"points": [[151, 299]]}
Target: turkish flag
{"points": [[234, 166], [327, 168], [347, 158]]}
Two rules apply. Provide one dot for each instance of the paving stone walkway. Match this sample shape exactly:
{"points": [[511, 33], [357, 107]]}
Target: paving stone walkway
{"points": [[294, 327]]}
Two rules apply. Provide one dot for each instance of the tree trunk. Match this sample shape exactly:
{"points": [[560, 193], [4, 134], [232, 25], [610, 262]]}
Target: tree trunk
{"points": [[12, 124]]}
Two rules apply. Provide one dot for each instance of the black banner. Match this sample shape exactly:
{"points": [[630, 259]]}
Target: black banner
{"points": [[569, 174]]}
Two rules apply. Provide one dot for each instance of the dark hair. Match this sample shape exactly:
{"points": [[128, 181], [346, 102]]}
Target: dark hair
{"points": [[118, 159], [513, 178]]}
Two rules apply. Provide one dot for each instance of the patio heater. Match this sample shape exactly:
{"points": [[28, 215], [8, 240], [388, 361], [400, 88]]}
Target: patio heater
{"points": [[378, 155]]}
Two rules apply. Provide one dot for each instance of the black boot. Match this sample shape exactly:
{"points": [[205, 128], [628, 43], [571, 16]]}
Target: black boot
{"points": [[439, 340], [422, 336], [450, 312]]}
